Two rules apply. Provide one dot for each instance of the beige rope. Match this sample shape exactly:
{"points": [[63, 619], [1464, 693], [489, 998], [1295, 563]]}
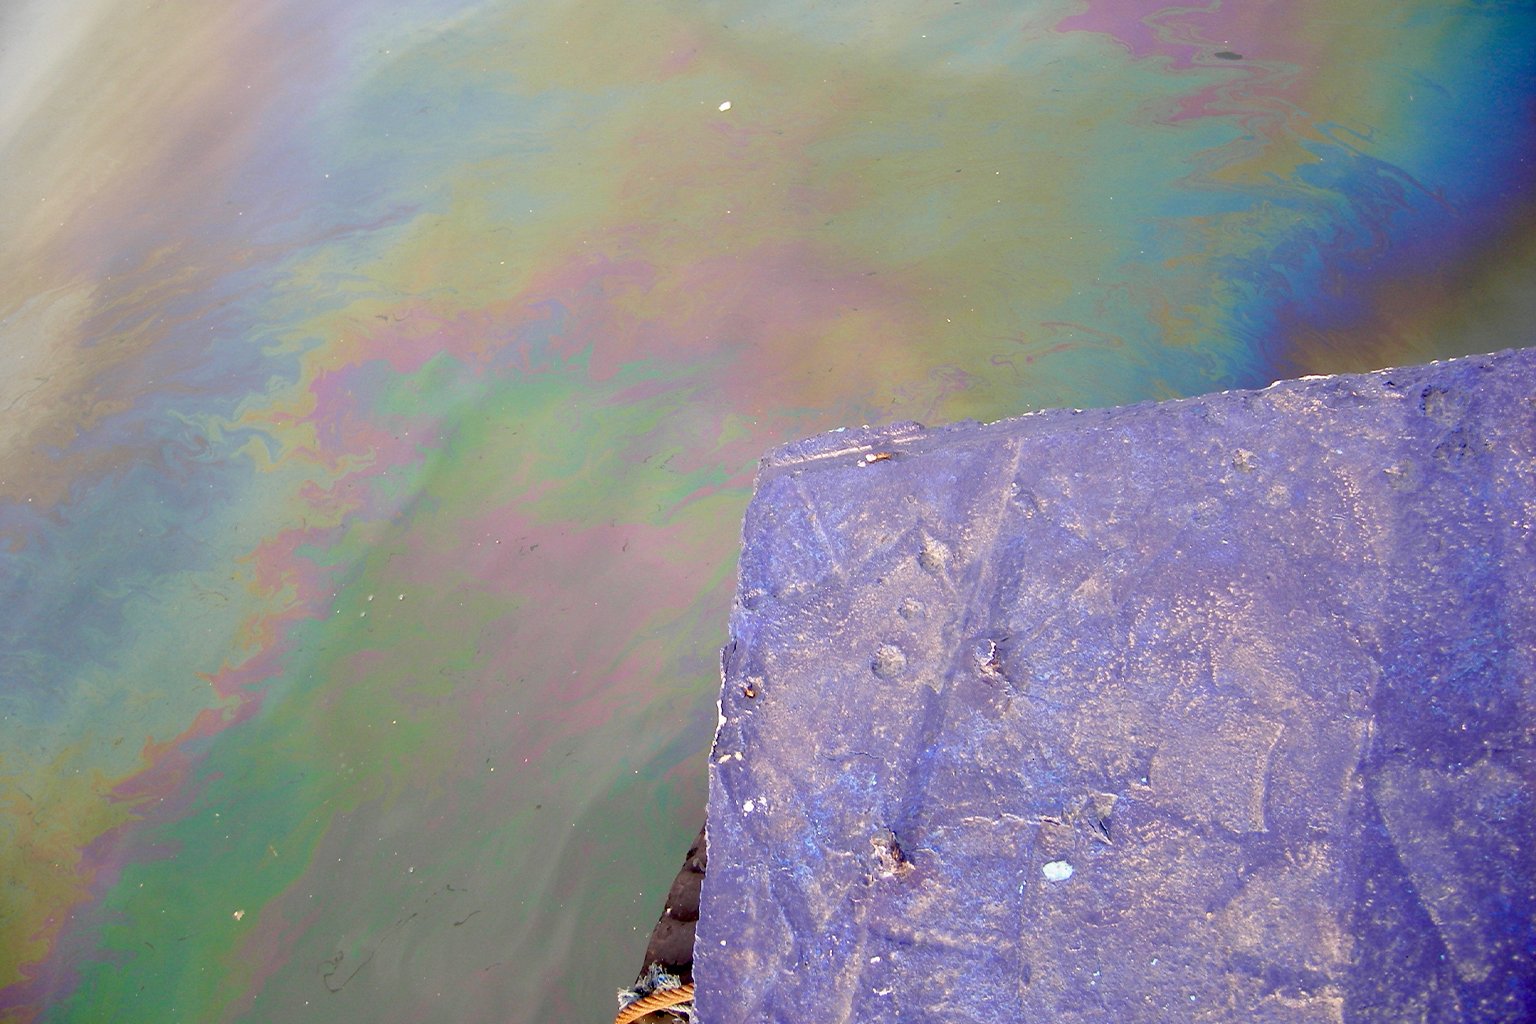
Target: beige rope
{"points": [[658, 1000]]}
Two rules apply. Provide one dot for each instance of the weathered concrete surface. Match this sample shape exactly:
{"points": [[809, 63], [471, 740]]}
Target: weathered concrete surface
{"points": [[1215, 710]]}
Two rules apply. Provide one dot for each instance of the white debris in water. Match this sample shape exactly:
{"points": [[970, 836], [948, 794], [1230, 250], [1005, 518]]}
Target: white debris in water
{"points": [[1057, 871], [748, 807], [725, 106]]}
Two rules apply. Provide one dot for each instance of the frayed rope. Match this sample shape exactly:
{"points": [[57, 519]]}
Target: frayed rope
{"points": [[656, 990]]}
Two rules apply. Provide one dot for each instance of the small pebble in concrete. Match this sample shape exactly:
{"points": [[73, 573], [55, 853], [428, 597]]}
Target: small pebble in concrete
{"points": [[1057, 871]]}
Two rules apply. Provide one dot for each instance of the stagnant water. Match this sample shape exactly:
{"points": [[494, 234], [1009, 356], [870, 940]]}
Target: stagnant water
{"points": [[382, 386]]}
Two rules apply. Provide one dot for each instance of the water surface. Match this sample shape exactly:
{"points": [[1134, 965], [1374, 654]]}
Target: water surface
{"points": [[382, 387]]}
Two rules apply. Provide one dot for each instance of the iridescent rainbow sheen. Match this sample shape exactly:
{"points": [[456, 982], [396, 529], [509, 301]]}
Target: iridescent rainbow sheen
{"points": [[383, 385]]}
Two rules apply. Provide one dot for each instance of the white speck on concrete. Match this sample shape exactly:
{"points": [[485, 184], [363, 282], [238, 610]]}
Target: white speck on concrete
{"points": [[1057, 871]]}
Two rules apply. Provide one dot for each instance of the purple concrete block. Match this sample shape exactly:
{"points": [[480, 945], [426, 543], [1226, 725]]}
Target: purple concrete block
{"points": [[1214, 710]]}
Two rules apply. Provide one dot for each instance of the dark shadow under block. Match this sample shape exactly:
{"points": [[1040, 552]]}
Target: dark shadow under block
{"points": [[1221, 709]]}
